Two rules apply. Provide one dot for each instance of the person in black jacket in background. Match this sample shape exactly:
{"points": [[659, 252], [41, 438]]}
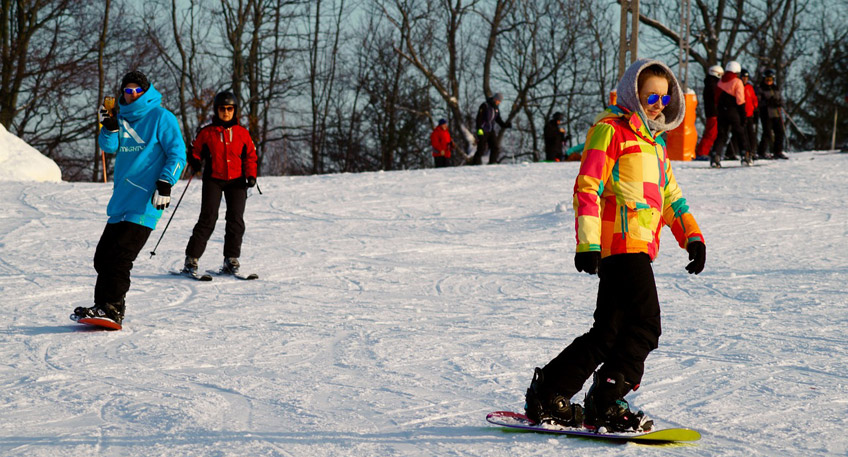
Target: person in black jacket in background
{"points": [[487, 138], [555, 139], [702, 151], [771, 116]]}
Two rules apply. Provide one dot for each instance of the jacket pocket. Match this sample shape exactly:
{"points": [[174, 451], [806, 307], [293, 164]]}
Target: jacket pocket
{"points": [[640, 221]]}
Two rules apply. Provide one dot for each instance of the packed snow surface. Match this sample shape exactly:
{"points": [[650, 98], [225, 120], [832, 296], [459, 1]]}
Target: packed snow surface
{"points": [[21, 162], [394, 310]]}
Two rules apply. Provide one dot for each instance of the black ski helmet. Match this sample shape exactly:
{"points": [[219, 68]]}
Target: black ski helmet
{"points": [[769, 73], [744, 73], [225, 98]]}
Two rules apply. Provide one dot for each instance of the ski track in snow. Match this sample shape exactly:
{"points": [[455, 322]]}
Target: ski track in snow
{"points": [[394, 310]]}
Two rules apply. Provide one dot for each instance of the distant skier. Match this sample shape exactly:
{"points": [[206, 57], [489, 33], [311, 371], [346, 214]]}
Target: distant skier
{"points": [[751, 104], [705, 144], [230, 168], [555, 139], [440, 140], [149, 159], [771, 117], [624, 193], [488, 114], [731, 116]]}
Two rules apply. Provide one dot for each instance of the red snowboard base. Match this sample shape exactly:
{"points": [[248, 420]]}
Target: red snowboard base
{"points": [[100, 322]]}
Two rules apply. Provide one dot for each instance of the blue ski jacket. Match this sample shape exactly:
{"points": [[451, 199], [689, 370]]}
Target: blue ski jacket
{"points": [[148, 146]]}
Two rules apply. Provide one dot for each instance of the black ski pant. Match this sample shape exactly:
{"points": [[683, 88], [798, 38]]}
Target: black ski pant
{"points": [[773, 135], [626, 328], [487, 142], [235, 193], [751, 133], [116, 251], [730, 121], [441, 161]]}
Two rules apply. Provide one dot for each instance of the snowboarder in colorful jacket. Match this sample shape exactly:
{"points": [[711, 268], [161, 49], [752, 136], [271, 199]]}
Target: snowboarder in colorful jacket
{"points": [[230, 158], [624, 194], [150, 156]]}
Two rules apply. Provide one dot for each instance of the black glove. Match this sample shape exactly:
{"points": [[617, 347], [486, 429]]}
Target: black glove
{"points": [[162, 195], [195, 165], [110, 123], [697, 255], [251, 181], [587, 261]]}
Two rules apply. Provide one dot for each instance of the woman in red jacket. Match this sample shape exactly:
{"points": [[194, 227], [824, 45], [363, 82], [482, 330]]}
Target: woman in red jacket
{"points": [[230, 168]]}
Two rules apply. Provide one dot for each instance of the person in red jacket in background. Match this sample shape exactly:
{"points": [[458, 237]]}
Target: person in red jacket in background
{"points": [[441, 141], [230, 168], [751, 103]]}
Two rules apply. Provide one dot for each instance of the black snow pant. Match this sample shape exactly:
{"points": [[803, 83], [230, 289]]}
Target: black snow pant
{"points": [[441, 161], [626, 328], [235, 193], [751, 133], [730, 121], [773, 135], [487, 142], [116, 251]]}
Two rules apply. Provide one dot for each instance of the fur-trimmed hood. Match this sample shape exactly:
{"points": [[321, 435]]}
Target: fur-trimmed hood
{"points": [[627, 93]]}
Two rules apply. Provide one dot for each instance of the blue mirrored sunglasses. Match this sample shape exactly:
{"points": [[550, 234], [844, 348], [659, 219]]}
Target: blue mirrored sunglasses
{"points": [[653, 98], [130, 91]]}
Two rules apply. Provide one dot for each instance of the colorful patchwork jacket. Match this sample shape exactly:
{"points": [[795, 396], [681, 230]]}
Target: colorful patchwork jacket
{"points": [[625, 191]]}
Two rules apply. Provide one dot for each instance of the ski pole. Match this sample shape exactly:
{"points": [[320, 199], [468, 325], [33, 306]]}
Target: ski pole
{"points": [[153, 252], [793, 123], [257, 188]]}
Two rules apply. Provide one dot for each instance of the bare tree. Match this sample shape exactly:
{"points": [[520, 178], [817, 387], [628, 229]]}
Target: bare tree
{"points": [[437, 46], [101, 82]]}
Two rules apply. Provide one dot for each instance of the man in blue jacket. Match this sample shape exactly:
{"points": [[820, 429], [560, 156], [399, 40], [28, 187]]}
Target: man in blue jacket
{"points": [[150, 156]]}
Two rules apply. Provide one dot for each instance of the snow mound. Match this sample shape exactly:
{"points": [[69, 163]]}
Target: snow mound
{"points": [[21, 162]]}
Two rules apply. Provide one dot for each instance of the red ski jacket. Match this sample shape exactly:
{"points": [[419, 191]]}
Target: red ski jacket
{"points": [[751, 101], [440, 140], [229, 150]]}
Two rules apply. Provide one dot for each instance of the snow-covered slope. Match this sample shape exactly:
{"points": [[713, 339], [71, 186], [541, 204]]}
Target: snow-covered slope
{"points": [[21, 162], [395, 310]]}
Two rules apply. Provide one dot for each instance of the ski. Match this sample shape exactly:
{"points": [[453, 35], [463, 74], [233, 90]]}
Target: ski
{"points": [[519, 421], [241, 276], [194, 276]]}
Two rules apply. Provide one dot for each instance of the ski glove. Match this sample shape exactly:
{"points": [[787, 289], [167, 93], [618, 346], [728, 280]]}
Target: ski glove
{"points": [[162, 195], [110, 123], [587, 261], [697, 255], [251, 181]]}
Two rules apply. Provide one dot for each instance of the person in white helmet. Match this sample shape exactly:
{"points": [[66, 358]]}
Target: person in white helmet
{"points": [[731, 116], [702, 151]]}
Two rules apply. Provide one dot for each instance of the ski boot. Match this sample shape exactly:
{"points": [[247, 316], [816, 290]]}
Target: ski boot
{"points": [[190, 266], [231, 266], [747, 161], [715, 162], [607, 410], [780, 155], [111, 311], [544, 406]]}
